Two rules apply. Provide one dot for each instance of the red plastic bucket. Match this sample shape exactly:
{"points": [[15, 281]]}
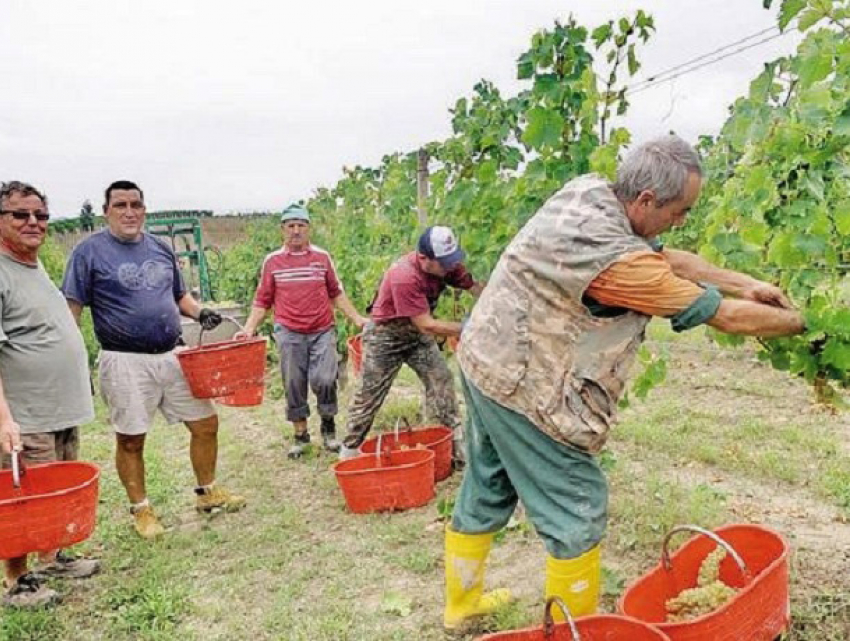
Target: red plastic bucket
{"points": [[436, 438], [220, 369], [355, 353], [391, 481], [55, 507], [247, 397], [600, 627], [758, 612]]}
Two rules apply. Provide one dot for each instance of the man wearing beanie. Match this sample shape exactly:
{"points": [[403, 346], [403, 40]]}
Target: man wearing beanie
{"points": [[403, 331], [299, 281]]}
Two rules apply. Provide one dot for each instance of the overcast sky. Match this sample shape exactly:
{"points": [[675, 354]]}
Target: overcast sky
{"points": [[225, 105]]}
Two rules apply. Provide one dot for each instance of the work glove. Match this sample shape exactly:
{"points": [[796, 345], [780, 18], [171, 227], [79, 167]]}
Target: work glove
{"points": [[209, 318]]}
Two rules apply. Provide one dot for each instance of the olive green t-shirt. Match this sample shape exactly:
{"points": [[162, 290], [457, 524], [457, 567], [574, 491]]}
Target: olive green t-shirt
{"points": [[43, 363]]}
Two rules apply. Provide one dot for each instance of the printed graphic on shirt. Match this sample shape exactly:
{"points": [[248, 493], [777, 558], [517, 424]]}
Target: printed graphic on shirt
{"points": [[149, 275]]}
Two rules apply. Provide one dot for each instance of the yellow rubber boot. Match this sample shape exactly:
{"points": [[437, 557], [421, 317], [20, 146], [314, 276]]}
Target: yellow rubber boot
{"points": [[576, 582], [466, 557]]}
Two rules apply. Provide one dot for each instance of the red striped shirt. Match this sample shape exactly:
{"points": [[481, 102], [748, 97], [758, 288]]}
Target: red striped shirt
{"points": [[300, 286]]}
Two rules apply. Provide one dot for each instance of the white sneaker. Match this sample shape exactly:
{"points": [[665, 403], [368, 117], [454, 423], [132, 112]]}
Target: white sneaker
{"points": [[348, 452]]}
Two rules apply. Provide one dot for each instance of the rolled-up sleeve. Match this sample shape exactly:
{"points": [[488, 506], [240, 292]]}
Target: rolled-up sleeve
{"points": [[644, 282]]}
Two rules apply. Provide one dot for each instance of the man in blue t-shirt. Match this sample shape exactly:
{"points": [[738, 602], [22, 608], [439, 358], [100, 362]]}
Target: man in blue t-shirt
{"points": [[131, 282]]}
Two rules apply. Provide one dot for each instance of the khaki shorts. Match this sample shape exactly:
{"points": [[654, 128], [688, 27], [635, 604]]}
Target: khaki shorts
{"points": [[134, 386], [47, 447]]}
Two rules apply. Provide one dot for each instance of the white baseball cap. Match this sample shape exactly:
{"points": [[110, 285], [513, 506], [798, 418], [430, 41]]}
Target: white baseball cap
{"points": [[440, 244]]}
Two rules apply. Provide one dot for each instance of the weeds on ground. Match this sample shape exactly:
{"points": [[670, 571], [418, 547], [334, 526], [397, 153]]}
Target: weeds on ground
{"points": [[824, 616]]}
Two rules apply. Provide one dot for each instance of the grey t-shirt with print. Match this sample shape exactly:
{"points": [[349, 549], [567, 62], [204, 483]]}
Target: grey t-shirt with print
{"points": [[43, 362]]}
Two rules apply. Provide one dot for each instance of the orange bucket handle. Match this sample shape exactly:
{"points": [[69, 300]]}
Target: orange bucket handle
{"points": [[378, 453], [549, 621], [18, 469], [407, 426], [224, 318], [665, 552]]}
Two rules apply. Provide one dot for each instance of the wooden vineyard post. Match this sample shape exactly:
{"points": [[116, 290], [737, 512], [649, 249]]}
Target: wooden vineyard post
{"points": [[421, 197], [422, 188]]}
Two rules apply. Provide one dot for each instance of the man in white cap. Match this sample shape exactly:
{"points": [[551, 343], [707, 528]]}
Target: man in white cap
{"points": [[402, 331], [299, 281]]}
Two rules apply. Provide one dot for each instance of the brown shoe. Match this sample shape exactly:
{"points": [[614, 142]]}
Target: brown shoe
{"points": [[217, 499], [146, 523], [65, 566], [28, 592]]}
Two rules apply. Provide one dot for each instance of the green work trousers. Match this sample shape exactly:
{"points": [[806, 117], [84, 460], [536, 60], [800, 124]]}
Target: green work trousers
{"points": [[563, 489]]}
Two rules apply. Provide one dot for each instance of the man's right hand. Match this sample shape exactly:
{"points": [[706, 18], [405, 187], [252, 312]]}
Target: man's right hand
{"points": [[243, 334], [10, 436]]}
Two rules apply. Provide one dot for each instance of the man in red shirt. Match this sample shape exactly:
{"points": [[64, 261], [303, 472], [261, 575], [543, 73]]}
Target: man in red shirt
{"points": [[299, 280], [401, 332]]}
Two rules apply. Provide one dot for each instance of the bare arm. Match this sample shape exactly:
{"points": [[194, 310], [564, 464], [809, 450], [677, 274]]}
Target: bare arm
{"points": [[188, 306], [76, 310], [698, 270], [254, 319], [343, 304], [427, 324], [749, 318], [477, 288], [10, 433]]}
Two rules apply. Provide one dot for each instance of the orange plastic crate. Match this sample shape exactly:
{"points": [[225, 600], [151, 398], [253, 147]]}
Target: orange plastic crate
{"points": [[437, 438], [246, 397], [55, 507], [355, 353], [599, 627], [760, 611], [220, 369], [390, 481]]}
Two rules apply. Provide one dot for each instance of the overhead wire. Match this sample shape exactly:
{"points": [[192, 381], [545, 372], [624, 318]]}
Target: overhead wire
{"points": [[658, 76], [709, 58]]}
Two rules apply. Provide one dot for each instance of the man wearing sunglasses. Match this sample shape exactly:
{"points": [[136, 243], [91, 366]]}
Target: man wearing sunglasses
{"points": [[132, 283], [44, 376]]}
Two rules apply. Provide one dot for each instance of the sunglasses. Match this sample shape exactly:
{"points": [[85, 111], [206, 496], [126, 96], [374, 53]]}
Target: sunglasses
{"points": [[40, 216]]}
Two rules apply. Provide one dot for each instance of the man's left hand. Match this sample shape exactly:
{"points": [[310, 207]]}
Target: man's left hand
{"points": [[767, 294], [209, 318]]}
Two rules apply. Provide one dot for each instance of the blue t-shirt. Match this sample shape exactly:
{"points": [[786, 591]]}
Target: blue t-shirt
{"points": [[132, 289]]}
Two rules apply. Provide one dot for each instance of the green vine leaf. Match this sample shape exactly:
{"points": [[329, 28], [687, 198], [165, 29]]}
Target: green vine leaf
{"points": [[544, 128], [788, 11]]}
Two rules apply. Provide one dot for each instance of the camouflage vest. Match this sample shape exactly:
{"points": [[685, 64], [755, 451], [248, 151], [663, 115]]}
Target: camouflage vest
{"points": [[531, 344]]}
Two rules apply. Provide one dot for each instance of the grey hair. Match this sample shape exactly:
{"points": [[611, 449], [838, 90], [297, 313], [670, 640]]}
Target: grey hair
{"points": [[22, 188], [661, 165]]}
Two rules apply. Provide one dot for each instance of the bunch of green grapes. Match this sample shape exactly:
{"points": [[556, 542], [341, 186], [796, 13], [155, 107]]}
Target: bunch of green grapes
{"points": [[709, 570], [709, 595]]}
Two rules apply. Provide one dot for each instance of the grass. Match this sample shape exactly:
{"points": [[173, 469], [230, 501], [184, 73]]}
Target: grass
{"points": [[762, 440], [723, 440]]}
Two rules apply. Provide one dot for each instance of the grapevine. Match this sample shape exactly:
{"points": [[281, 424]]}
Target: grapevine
{"points": [[505, 157], [777, 200]]}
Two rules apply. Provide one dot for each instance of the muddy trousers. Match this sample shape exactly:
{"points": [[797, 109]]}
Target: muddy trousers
{"points": [[386, 347], [564, 491]]}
